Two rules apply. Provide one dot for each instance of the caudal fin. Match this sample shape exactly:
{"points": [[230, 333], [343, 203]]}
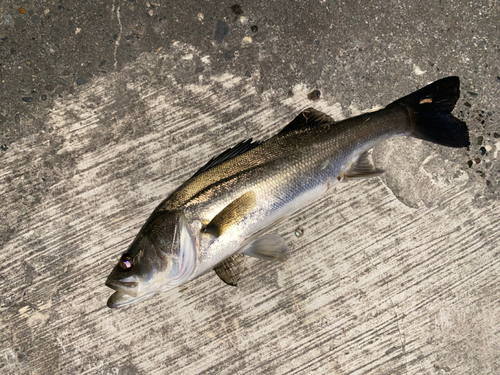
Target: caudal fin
{"points": [[431, 108]]}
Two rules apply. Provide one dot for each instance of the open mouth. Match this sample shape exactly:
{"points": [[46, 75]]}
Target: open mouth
{"points": [[119, 299], [129, 287], [126, 292]]}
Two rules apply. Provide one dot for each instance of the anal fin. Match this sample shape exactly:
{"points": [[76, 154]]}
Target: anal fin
{"points": [[363, 167], [231, 269]]}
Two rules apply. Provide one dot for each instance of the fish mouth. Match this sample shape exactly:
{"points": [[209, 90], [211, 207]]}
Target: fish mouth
{"points": [[126, 293], [124, 287], [120, 299]]}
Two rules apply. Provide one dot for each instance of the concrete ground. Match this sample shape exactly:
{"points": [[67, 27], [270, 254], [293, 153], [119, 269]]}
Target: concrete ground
{"points": [[106, 107]]}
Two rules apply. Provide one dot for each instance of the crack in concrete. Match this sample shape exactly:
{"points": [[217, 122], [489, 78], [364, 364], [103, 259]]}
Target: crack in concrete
{"points": [[117, 42]]}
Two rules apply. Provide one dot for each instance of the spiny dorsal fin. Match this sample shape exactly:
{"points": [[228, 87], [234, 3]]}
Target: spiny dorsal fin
{"points": [[239, 149], [232, 214], [308, 118], [231, 269], [363, 167]]}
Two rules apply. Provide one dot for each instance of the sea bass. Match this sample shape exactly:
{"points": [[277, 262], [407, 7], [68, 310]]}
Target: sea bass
{"points": [[223, 213]]}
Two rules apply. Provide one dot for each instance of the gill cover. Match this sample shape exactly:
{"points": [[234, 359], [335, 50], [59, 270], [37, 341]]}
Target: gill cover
{"points": [[182, 252], [162, 256]]}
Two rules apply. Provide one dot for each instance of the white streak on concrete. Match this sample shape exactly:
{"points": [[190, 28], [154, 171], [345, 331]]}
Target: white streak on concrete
{"points": [[117, 42]]}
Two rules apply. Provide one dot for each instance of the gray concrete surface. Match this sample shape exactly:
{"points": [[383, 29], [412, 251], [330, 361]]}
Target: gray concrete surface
{"points": [[124, 100]]}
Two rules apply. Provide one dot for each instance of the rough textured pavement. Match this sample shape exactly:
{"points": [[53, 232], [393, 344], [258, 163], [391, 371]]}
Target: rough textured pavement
{"points": [[106, 107]]}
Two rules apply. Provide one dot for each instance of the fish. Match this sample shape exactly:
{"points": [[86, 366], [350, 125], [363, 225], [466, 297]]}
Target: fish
{"points": [[224, 212]]}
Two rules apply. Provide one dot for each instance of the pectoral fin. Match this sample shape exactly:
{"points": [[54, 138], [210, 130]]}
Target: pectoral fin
{"points": [[231, 270], [231, 214], [268, 247], [363, 167]]}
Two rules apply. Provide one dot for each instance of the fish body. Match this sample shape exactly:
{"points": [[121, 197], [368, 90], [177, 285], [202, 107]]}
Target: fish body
{"points": [[223, 212]]}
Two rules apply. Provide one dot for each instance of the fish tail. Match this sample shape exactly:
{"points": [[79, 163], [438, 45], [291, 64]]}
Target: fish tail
{"points": [[430, 109]]}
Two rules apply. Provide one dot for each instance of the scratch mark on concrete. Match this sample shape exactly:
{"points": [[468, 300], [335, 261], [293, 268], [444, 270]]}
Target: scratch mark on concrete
{"points": [[396, 315]]}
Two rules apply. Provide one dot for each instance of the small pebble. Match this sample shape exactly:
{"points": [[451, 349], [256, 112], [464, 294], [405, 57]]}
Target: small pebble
{"points": [[496, 135], [4, 147], [44, 97], [21, 10], [27, 99], [480, 140], [482, 150], [314, 95], [469, 163], [467, 104], [299, 232], [246, 40], [262, 21], [17, 118], [236, 8], [477, 160], [200, 16], [254, 28], [243, 20], [488, 148], [80, 81]]}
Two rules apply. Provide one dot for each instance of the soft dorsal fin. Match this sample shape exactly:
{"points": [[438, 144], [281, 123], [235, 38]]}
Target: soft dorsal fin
{"points": [[307, 118], [231, 269], [230, 153]]}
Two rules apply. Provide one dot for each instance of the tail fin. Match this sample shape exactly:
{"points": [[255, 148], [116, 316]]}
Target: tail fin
{"points": [[431, 108]]}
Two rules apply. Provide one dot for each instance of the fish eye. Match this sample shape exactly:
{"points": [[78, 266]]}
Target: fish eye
{"points": [[126, 262]]}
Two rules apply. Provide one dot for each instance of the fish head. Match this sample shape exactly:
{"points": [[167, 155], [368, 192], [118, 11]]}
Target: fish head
{"points": [[161, 257]]}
